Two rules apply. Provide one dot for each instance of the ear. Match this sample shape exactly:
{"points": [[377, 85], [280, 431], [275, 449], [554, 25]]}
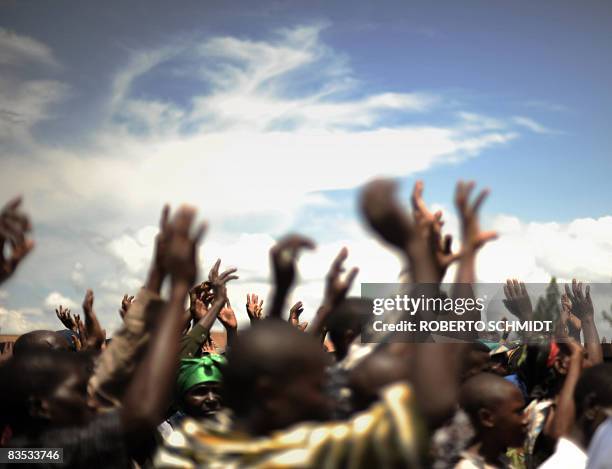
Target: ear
{"points": [[486, 418], [38, 408]]}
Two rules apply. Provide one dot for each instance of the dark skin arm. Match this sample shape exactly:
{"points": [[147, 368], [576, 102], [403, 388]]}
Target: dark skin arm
{"points": [[157, 273], [95, 334], [441, 244], [205, 314], [254, 307], [126, 303], [230, 323], [582, 308], [14, 227], [517, 300], [336, 290], [561, 420], [411, 234], [283, 257], [149, 393], [472, 239], [294, 316], [435, 367]]}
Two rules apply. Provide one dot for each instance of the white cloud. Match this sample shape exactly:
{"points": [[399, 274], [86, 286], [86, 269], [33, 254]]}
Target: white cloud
{"points": [[13, 321], [532, 125], [24, 101], [55, 299], [77, 276], [4, 294], [233, 162], [536, 251], [259, 147], [16, 49]]}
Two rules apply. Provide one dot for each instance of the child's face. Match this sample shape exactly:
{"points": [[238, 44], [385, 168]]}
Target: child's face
{"points": [[511, 420]]}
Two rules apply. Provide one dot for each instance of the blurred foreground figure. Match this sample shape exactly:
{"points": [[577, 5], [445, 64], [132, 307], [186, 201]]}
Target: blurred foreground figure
{"points": [[274, 385]]}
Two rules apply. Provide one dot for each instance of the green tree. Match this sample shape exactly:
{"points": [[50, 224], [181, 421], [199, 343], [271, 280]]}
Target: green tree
{"points": [[548, 306]]}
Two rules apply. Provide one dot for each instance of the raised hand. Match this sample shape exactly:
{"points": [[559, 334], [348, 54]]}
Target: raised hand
{"points": [[228, 318], [126, 303], [63, 314], [198, 310], [200, 297], [218, 280], [14, 225], [294, 316], [517, 300], [337, 288], [157, 271], [254, 307], [209, 346], [413, 234], [581, 303], [442, 244], [284, 257], [179, 257], [566, 307], [583, 310], [96, 336], [472, 238], [384, 214]]}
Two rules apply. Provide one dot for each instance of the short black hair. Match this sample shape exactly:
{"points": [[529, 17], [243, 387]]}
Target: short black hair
{"points": [[34, 340], [33, 373], [351, 314], [272, 348]]}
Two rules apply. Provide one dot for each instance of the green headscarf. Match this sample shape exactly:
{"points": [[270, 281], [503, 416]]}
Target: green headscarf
{"points": [[194, 371]]}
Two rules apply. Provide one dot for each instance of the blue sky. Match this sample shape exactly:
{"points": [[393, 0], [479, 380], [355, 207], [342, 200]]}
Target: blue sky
{"points": [[270, 115]]}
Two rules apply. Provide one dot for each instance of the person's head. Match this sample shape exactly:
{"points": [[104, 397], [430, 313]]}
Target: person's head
{"points": [[379, 369], [199, 385], [275, 377], [477, 360], [545, 366], [41, 390], [41, 340], [346, 323], [593, 398], [495, 407]]}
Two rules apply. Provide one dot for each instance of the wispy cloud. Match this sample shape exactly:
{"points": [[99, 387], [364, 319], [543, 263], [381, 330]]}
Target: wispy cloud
{"points": [[24, 102], [259, 130], [533, 125], [16, 49]]}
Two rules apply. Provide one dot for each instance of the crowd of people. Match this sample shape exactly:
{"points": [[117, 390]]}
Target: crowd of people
{"points": [[286, 393]]}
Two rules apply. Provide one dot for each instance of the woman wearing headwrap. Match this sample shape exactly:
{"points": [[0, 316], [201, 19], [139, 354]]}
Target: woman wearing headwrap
{"points": [[198, 385]]}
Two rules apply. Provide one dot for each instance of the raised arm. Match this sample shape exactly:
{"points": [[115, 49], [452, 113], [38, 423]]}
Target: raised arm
{"points": [[283, 258], [472, 238], [96, 336], [205, 315], [149, 393], [517, 300], [14, 227], [582, 308], [336, 289], [412, 234], [561, 420]]}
